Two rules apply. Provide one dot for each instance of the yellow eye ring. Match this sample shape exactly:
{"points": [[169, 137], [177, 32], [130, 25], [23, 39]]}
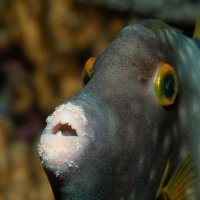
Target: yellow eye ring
{"points": [[87, 72], [166, 85]]}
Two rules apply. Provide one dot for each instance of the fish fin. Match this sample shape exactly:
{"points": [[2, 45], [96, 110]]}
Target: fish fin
{"points": [[196, 33], [183, 183], [164, 177]]}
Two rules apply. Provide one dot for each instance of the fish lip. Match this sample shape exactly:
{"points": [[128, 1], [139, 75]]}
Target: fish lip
{"points": [[61, 152]]}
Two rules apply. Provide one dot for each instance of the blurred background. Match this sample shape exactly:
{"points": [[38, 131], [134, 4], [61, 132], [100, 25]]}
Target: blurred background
{"points": [[43, 47]]}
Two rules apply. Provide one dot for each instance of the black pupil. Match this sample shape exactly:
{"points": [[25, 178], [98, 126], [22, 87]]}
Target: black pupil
{"points": [[169, 85]]}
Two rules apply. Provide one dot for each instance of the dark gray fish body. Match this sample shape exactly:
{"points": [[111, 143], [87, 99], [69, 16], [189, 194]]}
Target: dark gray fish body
{"points": [[123, 137]]}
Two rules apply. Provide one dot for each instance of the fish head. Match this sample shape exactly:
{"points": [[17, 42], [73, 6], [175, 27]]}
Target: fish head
{"points": [[112, 141]]}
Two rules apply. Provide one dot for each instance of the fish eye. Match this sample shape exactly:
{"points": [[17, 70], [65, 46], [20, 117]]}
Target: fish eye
{"points": [[87, 72], [166, 85]]}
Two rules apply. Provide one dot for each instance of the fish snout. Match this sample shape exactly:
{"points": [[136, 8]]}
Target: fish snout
{"points": [[64, 139]]}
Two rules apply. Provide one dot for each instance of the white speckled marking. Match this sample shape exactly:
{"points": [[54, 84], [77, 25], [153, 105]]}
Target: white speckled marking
{"points": [[166, 145], [152, 175], [141, 163], [58, 151]]}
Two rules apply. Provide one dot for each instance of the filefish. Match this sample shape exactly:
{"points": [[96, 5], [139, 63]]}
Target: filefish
{"points": [[133, 131]]}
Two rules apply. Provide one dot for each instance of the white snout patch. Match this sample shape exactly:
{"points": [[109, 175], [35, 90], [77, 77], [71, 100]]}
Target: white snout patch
{"points": [[64, 138]]}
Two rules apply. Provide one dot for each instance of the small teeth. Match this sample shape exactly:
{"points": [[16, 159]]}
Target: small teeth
{"points": [[63, 121], [59, 133]]}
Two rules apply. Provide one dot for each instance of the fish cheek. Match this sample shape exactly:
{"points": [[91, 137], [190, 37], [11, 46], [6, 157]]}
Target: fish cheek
{"points": [[154, 141]]}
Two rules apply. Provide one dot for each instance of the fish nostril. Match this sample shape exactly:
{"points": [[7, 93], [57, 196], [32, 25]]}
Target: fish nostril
{"points": [[64, 129]]}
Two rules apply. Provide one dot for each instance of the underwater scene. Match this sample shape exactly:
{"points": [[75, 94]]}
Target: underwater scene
{"points": [[99, 100]]}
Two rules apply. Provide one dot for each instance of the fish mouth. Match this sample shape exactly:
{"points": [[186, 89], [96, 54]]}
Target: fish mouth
{"points": [[64, 129], [64, 139], [68, 120]]}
